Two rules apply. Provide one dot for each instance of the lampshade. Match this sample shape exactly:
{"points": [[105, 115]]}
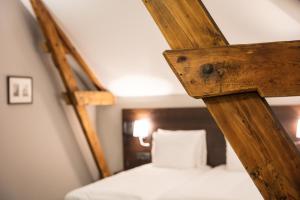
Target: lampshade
{"points": [[141, 128], [298, 129]]}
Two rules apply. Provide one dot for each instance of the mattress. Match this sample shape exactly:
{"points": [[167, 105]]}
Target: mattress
{"points": [[217, 184], [142, 183]]}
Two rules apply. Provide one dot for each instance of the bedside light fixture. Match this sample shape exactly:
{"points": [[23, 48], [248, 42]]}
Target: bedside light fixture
{"points": [[298, 129], [141, 129]]}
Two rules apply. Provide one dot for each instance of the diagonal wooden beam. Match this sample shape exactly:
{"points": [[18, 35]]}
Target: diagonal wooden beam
{"points": [[271, 69], [68, 77], [70, 48], [261, 143], [47, 49]]}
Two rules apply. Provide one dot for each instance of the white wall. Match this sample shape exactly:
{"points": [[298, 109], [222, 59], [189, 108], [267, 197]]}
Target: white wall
{"points": [[40, 158]]}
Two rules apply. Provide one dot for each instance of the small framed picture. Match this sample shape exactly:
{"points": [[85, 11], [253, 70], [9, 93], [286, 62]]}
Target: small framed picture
{"points": [[20, 90]]}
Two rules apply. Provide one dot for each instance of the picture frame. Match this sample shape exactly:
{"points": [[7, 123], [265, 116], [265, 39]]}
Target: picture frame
{"points": [[19, 90]]}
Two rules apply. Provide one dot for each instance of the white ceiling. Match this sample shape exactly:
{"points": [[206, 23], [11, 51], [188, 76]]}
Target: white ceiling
{"points": [[121, 42]]}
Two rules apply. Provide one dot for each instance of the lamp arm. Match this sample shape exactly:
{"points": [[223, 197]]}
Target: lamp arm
{"points": [[144, 144]]}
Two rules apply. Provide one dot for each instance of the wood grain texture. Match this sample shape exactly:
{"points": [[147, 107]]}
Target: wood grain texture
{"points": [[271, 69], [94, 98], [268, 154], [59, 58]]}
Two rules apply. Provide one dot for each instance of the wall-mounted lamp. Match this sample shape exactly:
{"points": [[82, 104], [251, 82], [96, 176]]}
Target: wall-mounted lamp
{"points": [[298, 129], [141, 129]]}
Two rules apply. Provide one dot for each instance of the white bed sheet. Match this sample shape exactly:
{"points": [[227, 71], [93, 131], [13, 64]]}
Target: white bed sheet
{"points": [[217, 184], [142, 183]]}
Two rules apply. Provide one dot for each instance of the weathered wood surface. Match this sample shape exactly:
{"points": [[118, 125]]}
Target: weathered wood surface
{"points": [[271, 69], [59, 58], [94, 98], [89, 98], [263, 146]]}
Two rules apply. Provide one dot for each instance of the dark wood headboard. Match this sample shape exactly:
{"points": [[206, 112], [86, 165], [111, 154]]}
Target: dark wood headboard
{"points": [[188, 119]]}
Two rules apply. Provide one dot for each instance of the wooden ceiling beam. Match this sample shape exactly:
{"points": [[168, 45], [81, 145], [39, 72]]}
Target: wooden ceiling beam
{"points": [[263, 146], [271, 69], [71, 49], [46, 48], [95, 98], [58, 52], [89, 98]]}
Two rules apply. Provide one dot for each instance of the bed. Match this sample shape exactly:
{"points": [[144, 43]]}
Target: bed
{"points": [[178, 171], [148, 182], [216, 184], [142, 183], [221, 177]]}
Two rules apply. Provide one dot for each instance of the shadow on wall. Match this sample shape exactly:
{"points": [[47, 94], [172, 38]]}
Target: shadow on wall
{"points": [[290, 7]]}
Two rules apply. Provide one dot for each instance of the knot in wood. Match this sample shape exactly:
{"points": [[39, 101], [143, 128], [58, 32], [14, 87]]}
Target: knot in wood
{"points": [[181, 59], [207, 69]]}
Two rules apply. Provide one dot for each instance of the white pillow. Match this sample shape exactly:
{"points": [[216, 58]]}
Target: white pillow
{"points": [[201, 148], [232, 161], [179, 149]]}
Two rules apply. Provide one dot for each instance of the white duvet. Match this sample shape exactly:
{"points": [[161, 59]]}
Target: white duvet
{"points": [[217, 184], [143, 183], [152, 183]]}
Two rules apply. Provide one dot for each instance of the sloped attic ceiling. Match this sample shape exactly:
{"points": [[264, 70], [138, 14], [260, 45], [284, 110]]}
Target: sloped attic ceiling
{"points": [[121, 42]]}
